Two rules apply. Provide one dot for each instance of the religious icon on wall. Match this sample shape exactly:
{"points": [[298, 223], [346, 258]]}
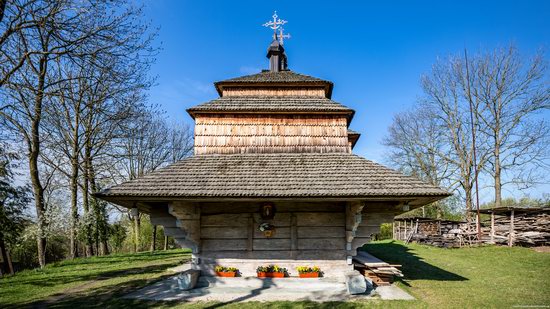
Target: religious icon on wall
{"points": [[267, 211]]}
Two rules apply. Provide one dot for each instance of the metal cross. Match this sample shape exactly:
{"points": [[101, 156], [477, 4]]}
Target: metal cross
{"points": [[275, 24], [283, 36]]}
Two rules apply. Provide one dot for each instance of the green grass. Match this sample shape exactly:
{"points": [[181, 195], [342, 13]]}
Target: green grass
{"points": [[489, 277], [114, 272]]}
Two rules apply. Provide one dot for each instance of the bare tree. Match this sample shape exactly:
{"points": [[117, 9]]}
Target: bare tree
{"points": [[17, 17], [447, 100], [64, 131], [67, 31], [512, 93], [150, 143], [418, 147], [434, 140], [493, 98]]}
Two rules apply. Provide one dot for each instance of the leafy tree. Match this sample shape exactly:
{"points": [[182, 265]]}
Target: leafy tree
{"points": [[13, 203]]}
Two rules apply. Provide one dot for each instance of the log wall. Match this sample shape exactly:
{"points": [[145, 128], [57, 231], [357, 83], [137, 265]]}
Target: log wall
{"points": [[258, 133], [306, 233]]}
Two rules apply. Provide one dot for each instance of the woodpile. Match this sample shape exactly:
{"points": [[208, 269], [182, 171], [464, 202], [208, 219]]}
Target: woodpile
{"points": [[380, 272], [437, 240], [434, 232], [529, 229]]}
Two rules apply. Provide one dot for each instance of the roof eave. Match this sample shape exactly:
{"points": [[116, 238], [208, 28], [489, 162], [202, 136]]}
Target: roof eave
{"points": [[415, 201], [193, 112]]}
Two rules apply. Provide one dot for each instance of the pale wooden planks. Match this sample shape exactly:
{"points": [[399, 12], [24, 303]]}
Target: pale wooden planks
{"points": [[280, 92], [250, 133]]}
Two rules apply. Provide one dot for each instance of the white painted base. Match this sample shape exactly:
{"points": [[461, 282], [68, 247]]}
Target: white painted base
{"points": [[330, 268]]}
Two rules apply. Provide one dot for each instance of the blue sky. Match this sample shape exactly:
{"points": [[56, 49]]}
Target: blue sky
{"points": [[374, 52]]}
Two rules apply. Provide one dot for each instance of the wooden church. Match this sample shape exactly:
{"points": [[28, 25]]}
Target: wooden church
{"points": [[273, 179]]}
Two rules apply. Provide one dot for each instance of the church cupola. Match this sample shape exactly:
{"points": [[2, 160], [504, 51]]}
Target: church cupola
{"points": [[277, 57], [276, 51]]}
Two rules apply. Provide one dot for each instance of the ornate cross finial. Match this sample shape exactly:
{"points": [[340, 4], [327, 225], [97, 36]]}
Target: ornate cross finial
{"points": [[283, 36], [275, 24]]}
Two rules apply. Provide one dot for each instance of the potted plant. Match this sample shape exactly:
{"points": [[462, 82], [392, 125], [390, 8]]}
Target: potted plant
{"points": [[271, 271], [309, 272], [222, 271]]}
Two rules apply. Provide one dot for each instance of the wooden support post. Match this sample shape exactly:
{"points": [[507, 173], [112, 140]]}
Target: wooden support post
{"points": [[405, 232], [393, 230], [250, 243], [399, 230], [293, 232], [492, 227], [353, 219], [511, 230]]}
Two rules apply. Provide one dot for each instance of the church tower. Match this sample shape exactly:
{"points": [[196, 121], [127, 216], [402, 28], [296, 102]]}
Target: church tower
{"points": [[273, 178]]}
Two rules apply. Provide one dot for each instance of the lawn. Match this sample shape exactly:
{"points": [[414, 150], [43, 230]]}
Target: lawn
{"points": [[112, 274], [443, 278]]}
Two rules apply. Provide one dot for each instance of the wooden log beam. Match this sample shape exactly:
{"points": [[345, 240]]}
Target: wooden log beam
{"points": [[492, 227], [511, 230], [353, 219]]}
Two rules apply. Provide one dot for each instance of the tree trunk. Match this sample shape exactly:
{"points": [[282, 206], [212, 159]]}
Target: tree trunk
{"points": [[498, 183], [165, 242], [10, 264], [74, 187], [86, 206], [104, 248], [136, 232], [6, 267], [468, 196], [74, 205], [34, 153], [99, 209], [153, 242]]}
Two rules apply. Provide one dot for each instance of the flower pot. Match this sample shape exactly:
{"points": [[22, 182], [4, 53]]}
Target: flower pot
{"points": [[262, 274], [225, 273], [309, 275]]}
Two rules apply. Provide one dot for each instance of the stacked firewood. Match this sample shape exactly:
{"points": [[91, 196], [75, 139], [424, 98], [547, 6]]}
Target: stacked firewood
{"points": [[530, 229], [380, 272], [444, 234], [443, 241]]}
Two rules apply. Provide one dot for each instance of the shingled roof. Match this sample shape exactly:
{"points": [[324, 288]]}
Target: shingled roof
{"points": [[275, 78], [271, 104], [288, 175]]}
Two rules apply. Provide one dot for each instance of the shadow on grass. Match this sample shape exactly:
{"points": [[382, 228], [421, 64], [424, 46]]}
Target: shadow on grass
{"points": [[85, 295], [56, 279], [103, 297], [143, 256], [413, 267]]}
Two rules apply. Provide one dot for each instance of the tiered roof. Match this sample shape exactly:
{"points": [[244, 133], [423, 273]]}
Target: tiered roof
{"points": [[271, 104], [341, 176], [285, 78], [281, 175]]}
